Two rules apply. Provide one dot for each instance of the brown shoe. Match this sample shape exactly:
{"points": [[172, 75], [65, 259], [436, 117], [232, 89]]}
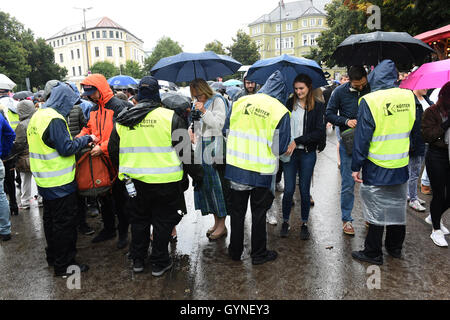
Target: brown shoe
{"points": [[348, 228], [218, 236], [426, 190]]}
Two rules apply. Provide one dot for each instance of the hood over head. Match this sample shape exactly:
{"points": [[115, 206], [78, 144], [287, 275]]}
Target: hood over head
{"points": [[62, 99], [48, 88], [275, 87], [383, 76], [101, 84], [25, 109]]}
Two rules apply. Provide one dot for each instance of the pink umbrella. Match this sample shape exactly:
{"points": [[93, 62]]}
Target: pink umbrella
{"points": [[428, 76]]}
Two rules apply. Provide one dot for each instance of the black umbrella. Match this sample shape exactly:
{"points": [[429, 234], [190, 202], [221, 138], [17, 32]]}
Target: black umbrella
{"points": [[175, 101], [372, 48], [22, 95]]}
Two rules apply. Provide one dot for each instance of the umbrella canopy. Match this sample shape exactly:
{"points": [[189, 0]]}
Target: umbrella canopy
{"points": [[167, 85], [434, 35], [218, 86], [372, 48], [233, 92], [189, 66], [174, 100], [23, 95], [428, 76], [289, 67], [232, 82], [6, 83], [123, 82]]}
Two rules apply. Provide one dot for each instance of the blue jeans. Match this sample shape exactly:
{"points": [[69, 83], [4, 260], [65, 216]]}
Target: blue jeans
{"points": [[347, 185], [303, 163], [414, 166], [5, 222]]}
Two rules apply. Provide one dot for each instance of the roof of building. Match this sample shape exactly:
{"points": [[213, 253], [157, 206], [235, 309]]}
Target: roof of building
{"points": [[103, 22], [294, 10]]}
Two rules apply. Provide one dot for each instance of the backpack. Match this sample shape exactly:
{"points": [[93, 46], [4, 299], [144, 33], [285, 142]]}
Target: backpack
{"points": [[94, 175]]}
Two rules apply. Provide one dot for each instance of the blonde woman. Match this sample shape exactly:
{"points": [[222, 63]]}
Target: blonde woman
{"points": [[210, 110]]}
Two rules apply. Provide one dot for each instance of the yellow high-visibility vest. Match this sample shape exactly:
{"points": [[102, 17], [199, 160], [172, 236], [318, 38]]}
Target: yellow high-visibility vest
{"points": [[49, 168], [13, 119], [253, 122], [394, 113], [146, 151]]}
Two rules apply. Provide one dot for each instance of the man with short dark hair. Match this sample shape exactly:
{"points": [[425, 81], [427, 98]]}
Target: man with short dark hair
{"points": [[342, 111]]}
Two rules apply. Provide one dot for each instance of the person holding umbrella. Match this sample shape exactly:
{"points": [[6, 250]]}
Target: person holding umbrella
{"points": [[342, 110], [210, 110], [436, 131]]}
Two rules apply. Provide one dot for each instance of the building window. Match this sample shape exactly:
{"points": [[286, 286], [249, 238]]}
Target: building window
{"points": [[97, 52], [62, 42], [254, 30], [312, 40], [305, 40], [289, 42], [288, 26], [305, 23], [54, 44], [73, 71], [259, 44], [319, 22], [71, 54], [79, 37], [111, 34], [121, 35], [70, 39], [78, 53], [93, 35], [117, 34], [109, 52], [278, 27], [79, 70], [97, 34], [58, 43], [104, 34], [61, 58], [120, 52], [312, 22], [84, 37]]}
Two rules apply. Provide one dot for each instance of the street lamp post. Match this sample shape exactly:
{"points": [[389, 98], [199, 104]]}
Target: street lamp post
{"points": [[85, 35]]}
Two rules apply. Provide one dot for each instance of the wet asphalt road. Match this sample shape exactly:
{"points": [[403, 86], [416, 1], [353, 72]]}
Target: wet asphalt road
{"points": [[320, 268]]}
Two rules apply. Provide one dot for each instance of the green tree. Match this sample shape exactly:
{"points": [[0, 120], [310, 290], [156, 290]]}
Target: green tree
{"points": [[105, 68], [244, 49], [215, 46], [165, 47], [342, 21], [132, 69], [13, 55], [43, 66]]}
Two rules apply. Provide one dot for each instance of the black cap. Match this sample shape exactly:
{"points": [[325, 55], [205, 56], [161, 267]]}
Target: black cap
{"points": [[148, 89]]}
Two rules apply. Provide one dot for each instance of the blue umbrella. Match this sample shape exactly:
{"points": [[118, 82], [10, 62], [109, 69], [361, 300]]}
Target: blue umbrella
{"points": [[290, 67], [123, 82], [189, 66], [232, 82]]}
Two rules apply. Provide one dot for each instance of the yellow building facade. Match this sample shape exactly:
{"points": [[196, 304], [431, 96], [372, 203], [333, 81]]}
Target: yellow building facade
{"points": [[105, 41]]}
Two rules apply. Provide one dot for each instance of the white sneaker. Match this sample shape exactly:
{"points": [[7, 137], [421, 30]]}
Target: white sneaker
{"points": [[443, 228], [415, 205], [422, 202], [270, 219], [279, 186], [438, 238]]}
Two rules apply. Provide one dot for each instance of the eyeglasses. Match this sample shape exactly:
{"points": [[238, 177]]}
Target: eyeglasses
{"points": [[198, 96]]}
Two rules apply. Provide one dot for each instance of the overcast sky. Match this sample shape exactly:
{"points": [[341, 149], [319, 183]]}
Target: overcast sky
{"points": [[192, 23]]}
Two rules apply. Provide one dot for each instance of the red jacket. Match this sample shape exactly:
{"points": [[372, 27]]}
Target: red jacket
{"points": [[104, 114]]}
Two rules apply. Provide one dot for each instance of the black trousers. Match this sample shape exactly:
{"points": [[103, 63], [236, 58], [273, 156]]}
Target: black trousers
{"points": [[10, 185], [157, 205], [395, 236], [260, 202], [280, 171], [438, 169], [60, 228], [112, 204]]}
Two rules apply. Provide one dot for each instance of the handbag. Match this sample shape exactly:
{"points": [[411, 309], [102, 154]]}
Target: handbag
{"points": [[348, 137]]}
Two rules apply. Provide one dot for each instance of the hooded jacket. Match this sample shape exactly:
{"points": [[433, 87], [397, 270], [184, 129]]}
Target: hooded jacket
{"points": [[274, 87], [104, 114], [25, 110], [56, 136], [134, 115], [7, 137], [382, 77]]}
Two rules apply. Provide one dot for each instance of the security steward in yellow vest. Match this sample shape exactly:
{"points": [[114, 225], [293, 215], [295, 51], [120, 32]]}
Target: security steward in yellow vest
{"points": [[52, 162], [143, 146], [259, 131], [381, 149]]}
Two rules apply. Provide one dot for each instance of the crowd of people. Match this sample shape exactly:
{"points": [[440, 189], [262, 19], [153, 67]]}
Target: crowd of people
{"points": [[234, 149]]}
